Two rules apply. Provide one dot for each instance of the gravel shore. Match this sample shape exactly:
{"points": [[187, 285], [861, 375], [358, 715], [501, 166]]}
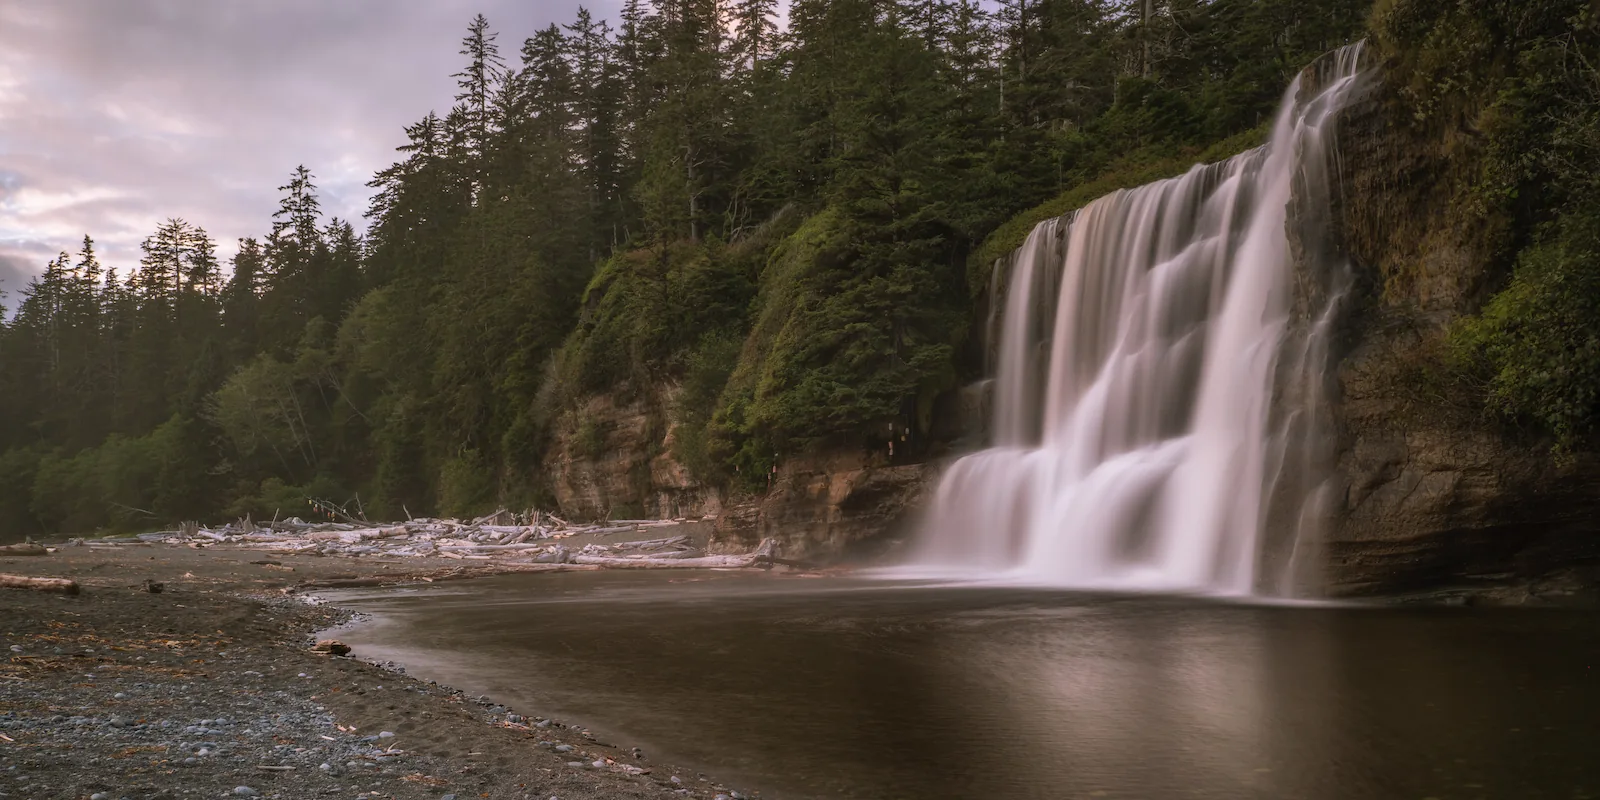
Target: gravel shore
{"points": [[210, 689]]}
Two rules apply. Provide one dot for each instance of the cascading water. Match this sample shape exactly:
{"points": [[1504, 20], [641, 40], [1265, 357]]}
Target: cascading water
{"points": [[1143, 346]]}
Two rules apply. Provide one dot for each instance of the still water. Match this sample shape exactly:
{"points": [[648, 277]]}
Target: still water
{"points": [[804, 688]]}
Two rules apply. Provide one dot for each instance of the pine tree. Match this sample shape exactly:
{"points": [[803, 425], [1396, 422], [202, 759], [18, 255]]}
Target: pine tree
{"points": [[478, 83]]}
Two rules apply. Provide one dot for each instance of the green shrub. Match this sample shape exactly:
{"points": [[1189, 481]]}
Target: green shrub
{"points": [[1534, 352]]}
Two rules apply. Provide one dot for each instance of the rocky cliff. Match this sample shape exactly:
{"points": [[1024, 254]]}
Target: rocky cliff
{"points": [[1429, 493], [613, 458]]}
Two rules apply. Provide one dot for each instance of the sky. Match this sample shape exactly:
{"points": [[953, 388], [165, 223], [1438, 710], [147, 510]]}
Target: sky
{"points": [[118, 114]]}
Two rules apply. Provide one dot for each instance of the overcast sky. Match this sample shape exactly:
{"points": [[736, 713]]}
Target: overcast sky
{"points": [[117, 114]]}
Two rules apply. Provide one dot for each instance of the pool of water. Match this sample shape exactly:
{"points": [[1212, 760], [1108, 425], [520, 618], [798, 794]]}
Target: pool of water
{"points": [[838, 688]]}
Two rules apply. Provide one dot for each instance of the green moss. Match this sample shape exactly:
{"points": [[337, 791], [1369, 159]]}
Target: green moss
{"points": [[1136, 169]]}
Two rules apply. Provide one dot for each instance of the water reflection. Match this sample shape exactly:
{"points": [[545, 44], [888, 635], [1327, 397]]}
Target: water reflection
{"points": [[834, 689]]}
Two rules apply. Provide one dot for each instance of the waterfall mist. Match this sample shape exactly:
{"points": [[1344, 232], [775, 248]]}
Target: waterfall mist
{"points": [[1157, 409]]}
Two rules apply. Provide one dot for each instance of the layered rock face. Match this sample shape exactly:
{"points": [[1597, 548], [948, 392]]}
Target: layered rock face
{"points": [[614, 460], [841, 504], [1428, 492]]}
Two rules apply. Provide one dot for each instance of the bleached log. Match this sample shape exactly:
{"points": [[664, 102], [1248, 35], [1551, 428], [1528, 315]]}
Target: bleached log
{"points": [[670, 554], [472, 548], [613, 529], [703, 562], [383, 533], [23, 550], [58, 585], [650, 544]]}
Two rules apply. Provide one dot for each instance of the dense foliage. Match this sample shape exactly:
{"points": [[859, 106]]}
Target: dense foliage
{"points": [[1511, 92], [777, 222]]}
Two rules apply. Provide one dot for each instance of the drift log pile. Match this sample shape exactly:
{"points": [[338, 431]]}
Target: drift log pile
{"points": [[500, 538]]}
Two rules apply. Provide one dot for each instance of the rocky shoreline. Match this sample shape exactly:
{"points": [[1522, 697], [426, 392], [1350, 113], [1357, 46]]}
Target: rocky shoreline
{"points": [[211, 688]]}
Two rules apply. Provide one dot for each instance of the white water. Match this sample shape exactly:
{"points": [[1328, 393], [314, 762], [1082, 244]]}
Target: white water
{"points": [[1144, 344]]}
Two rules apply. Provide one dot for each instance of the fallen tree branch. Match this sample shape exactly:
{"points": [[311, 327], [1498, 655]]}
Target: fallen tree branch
{"points": [[61, 585]]}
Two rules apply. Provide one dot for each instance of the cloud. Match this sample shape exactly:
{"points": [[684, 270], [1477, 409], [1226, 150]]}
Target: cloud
{"points": [[117, 114]]}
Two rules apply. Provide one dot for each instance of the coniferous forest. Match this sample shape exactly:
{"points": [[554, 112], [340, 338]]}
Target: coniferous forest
{"points": [[787, 223]]}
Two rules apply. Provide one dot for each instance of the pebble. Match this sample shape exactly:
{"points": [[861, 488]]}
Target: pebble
{"points": [[245, 791], [448, 797], [385, 734], [16, 648], [119, 696], [99, 796], [577, 764], [565, 748], [599, 764]]}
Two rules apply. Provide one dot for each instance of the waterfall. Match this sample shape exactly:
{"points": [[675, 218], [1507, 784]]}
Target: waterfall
{"points": [[1155, 405]]}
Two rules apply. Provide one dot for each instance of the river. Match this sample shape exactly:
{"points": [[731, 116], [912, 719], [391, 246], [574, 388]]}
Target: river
{"points": [[847, 688]]}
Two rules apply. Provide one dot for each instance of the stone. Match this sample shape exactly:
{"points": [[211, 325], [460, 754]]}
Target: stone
{"points": [[565, 748], [599, 764], [331, 647], [119, 696], [16, 648], [576, 764], [245, 791]]}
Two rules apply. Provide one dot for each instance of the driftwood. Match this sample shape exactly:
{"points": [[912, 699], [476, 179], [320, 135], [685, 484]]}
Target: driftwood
{"points": [[29, 549], [61, 585], [651, 544], [531, 540]]}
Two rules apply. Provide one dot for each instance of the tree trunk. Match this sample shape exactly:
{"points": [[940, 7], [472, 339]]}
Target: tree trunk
{"points": [[1144, 33]]}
